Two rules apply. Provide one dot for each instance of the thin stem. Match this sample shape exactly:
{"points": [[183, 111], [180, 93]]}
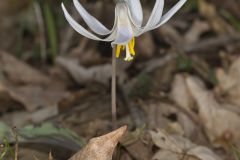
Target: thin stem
{"points": [[14, 130], [114, 103]]}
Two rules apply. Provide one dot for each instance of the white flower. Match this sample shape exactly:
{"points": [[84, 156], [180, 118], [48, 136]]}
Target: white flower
{"points": [[127, 25]]}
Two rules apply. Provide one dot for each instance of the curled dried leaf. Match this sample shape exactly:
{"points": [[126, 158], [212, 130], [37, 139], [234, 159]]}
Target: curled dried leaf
{"points": [[100, 148]]}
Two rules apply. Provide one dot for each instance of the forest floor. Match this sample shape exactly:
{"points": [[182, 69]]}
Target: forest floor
{"points": [[179, 97]]}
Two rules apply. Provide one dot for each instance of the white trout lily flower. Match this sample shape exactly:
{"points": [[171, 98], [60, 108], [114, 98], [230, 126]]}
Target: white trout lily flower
{"points": [[127, 25]]}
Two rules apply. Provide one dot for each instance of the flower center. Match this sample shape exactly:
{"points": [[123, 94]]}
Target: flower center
{"points": [[130, 52]]}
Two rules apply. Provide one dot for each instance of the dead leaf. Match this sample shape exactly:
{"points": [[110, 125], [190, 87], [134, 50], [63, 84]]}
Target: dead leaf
{"points": [[174, 147], [217, 120], [81, 75], [7, 102], [157, 114], [166, 155], [100, 148], [139, 150], [229, 82], [34, 97], [125, 157], [19, 72], [135, 146], [209, 11], [232, 6], [180, 93], [198, 27]]}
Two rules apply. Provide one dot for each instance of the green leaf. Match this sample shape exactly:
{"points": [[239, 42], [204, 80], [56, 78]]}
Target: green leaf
{"points": [[184, 63], [51, 29], [4, 130], [233, 20], [46, 133]]}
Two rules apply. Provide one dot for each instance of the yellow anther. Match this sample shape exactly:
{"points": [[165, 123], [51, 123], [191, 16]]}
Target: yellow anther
{"points": [[118, 50], [131, 45]]}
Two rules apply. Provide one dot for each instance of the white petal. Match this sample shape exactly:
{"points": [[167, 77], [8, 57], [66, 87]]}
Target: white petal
{"points": [[136, 12], [82, 30], [92, 22], [124, 32], [124, 35], [170, 13], [154, 17]]}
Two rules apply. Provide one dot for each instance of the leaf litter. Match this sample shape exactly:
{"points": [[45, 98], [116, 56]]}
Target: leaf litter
{"points": [[179, 98]]}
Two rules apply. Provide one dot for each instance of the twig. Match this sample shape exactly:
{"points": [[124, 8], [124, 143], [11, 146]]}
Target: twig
{"points": [[209, 43], [16, 143], [114, 103], [157, 62], [189, 48]]}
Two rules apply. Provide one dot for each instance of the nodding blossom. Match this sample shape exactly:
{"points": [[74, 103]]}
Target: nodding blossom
{"points": [[127, 24]]}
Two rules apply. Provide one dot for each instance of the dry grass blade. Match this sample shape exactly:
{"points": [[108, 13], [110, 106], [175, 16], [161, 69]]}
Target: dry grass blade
{"points": [[50, 157], [100, 148]]}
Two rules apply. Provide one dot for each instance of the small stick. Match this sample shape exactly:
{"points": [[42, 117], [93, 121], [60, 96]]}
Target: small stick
{"points": [[114, 103], [16, 143]]}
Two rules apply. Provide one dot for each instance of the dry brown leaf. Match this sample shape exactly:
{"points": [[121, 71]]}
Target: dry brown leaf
{"points": [[7, 103], [166, 155], [19, 72], [17, 119], [157, 114], [30, 154], [181, 96], [81, 75], [34, 97], [209, 11], [125, 157], [138, 150], [135, 146], [100, 148], [180, 93], [165, 115], [198, 27], [174, 147], [229, 83], [232, 6], [220, 124]]}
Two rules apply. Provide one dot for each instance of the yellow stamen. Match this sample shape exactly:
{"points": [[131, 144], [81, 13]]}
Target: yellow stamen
{"points": [[131, 45], [118, 50]]}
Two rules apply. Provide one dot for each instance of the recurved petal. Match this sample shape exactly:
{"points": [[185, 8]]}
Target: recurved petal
{"points": [[154, 17], [82, 30], [136, 12], [91, 21], [170, 13], [124, 32]]}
